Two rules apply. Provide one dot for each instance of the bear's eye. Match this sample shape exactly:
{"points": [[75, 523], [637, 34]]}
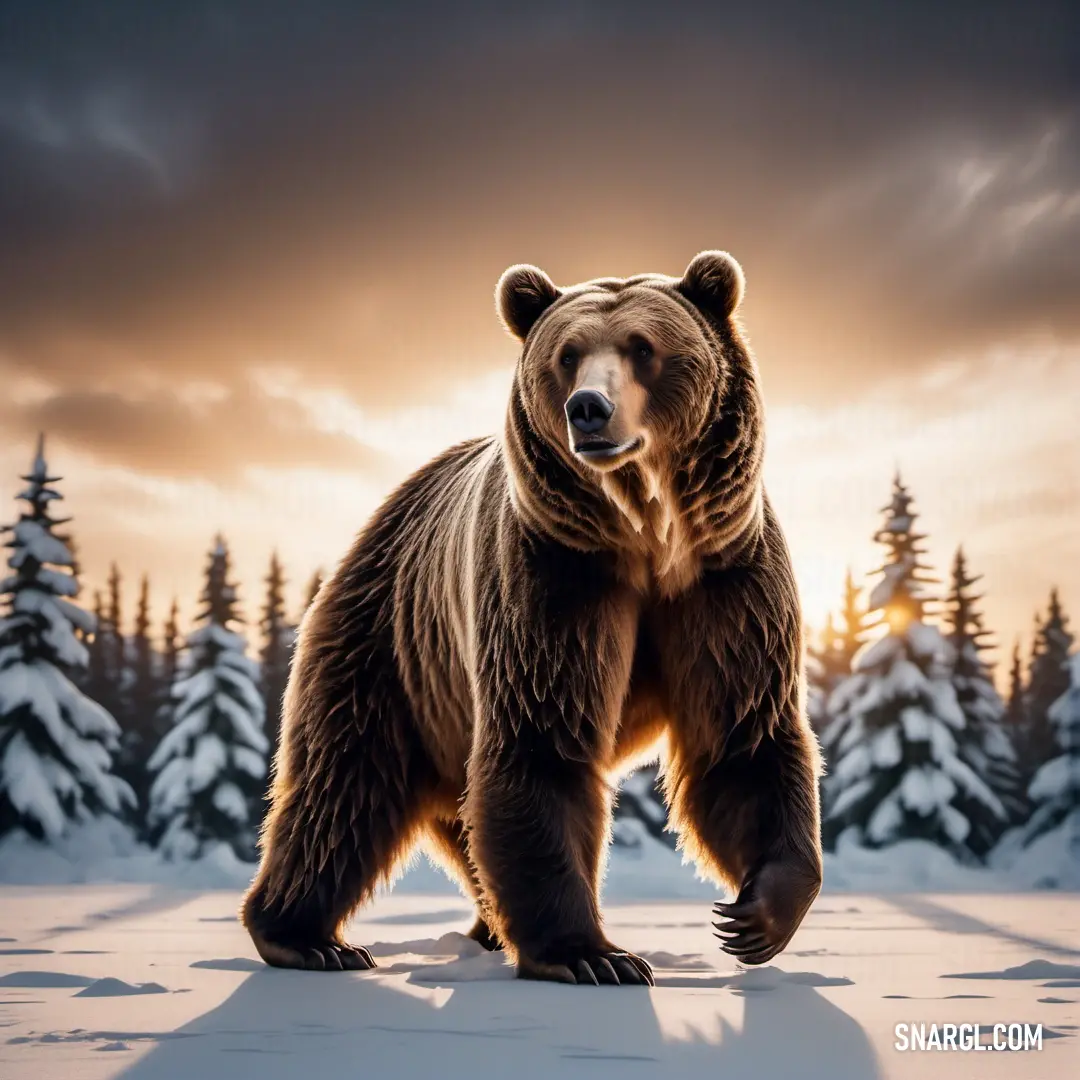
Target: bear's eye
{"points": [[642, 351], [568, 358]]}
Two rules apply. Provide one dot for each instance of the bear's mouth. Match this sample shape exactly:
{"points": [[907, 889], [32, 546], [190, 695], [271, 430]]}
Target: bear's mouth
{"points": [[600, 449]]}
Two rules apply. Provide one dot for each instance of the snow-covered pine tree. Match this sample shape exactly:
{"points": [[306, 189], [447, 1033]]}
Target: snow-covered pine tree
{"points": [[76, 574], [1048, 679], [56, 745], [640, 808], [895, 771], [278, 639], [95, 679], [1055, 789], [210, 767], [818, 682], [984, 742], [162, 707]]}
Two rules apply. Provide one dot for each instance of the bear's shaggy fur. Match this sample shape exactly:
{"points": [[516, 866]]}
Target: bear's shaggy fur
{"points": [[528, 616]]}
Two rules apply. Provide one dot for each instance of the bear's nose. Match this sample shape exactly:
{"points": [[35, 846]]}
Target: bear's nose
{"points": [[588, 410]]}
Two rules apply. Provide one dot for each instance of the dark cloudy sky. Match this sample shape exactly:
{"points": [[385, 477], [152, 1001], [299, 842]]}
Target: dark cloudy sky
{"points": [[249, 249]]}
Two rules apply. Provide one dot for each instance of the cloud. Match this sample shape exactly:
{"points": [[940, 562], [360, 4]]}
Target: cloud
{"points": [[211, 431], [97, 144], [989, 447], [338, 192]]}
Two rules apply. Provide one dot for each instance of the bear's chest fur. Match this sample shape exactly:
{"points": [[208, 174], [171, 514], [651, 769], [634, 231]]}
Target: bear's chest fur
{"points": [[661, 543]]}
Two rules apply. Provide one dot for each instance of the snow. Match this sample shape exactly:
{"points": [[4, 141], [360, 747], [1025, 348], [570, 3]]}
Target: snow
{"points": [[892, 576], [875, 654], [925, 790], [230, 801], [1055, 777], [886, 819], [57, 632], [241, 717], [207, 761], [32, 540], [925, 640], [163, 978], [23, 776]]}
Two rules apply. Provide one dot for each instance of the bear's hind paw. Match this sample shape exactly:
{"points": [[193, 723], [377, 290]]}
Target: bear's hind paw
{"points": [[614, 967], [315, 956]]}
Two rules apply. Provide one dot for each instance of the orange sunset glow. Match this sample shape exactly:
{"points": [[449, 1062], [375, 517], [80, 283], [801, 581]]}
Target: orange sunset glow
{"points": [[246, 285]]}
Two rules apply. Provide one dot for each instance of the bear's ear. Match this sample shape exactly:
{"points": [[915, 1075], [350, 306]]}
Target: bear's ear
{"points": [[523, 294], [714, 282]]}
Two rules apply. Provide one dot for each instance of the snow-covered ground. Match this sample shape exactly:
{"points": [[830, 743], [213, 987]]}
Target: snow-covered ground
{"points": [[156, 981]]}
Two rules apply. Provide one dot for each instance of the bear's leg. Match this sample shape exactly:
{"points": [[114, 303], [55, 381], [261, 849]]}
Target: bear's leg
{"points": [[539, 832], [555, 642], [449, 841], [751, 820], [322, 861], [353, 791], [743, 764]]}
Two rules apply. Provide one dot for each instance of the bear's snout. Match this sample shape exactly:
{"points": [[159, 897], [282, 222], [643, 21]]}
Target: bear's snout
{"points": [[589, 411]]}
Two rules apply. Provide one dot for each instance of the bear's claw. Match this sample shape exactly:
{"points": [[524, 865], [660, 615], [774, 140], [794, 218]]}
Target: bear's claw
{"points": [[613, 967], [768, 911], [320, 956]]}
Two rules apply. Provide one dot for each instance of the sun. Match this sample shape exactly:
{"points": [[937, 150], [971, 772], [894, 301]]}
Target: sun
{"points": [[899, 618]]}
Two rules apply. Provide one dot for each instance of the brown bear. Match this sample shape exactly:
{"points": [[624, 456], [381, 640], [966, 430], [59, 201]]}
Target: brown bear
{"points": [[528, 616]]}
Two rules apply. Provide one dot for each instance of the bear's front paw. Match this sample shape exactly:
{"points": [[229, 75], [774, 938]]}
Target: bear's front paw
{"points": [[314, 955], [587, 966], [770, 906]]}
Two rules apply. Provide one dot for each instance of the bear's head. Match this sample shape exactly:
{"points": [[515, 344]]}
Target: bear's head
{"points": [[615, 370]]}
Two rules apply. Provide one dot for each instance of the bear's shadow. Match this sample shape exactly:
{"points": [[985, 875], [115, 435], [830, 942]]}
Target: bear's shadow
{"points": [[279, 1025]]}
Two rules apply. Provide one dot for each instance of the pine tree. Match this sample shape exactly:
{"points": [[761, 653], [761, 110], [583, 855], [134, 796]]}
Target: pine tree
{"points": [[76, 574], [895, 769], [56, 745], [105, 671], [856, 624], [1014, 718], [144, 682], [1047, 681], [115, 669], [143, 697], [314, 585], [830, 663], [1055, 788], [170, 659], [95, 680], [278, 638], [161, 706], [984, 742], [210, 767]]}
